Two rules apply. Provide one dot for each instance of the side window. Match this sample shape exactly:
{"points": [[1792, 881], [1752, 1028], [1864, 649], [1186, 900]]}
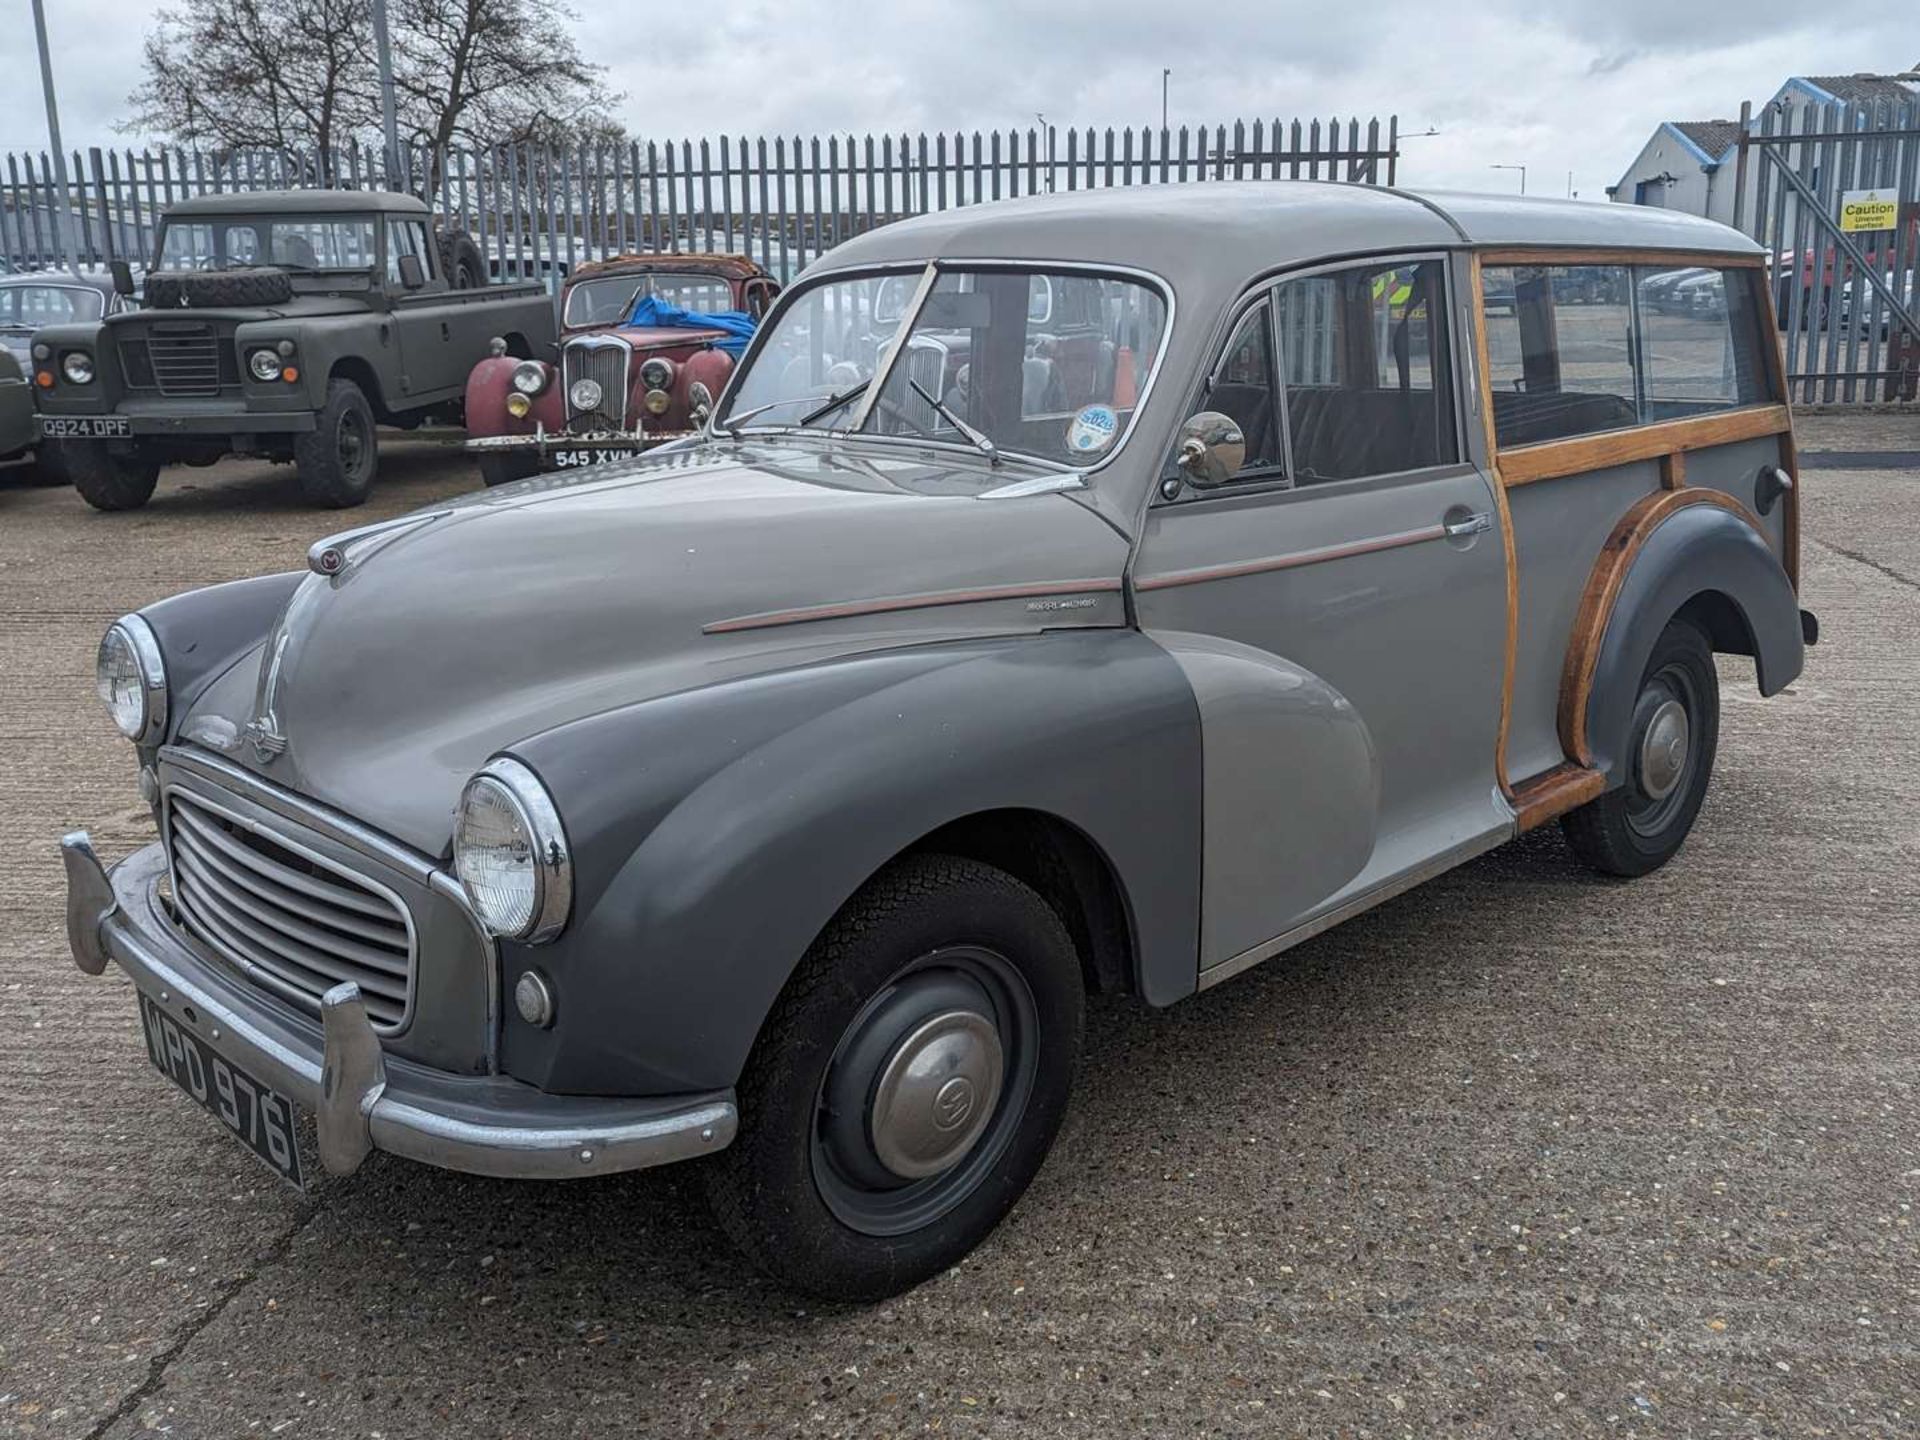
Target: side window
{"points": [[1701, 341], [407, 237], [1368, 376], [1560, 351], [1244, 389]]}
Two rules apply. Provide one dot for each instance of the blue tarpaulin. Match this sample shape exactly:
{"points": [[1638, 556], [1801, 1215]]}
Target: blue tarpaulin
{"points": [[652, 310]]}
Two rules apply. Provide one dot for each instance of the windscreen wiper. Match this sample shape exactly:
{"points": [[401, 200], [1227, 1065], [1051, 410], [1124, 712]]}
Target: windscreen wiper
{"points": [[979, 439], [827, 407]]}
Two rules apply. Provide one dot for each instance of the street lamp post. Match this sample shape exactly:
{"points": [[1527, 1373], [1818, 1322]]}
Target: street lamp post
{"points": [[1523, 174], [383, 52], [1165, 75], [59, 215]]}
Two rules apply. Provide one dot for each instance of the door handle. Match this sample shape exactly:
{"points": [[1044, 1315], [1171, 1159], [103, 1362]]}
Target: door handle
{"points": [[1476, 524]]}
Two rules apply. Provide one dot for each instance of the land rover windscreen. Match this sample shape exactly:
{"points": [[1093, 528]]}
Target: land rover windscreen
{"points": [[1046, 364]]}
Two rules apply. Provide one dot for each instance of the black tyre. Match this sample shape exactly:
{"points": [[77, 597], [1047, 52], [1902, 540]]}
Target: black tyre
{"points": [[908, 1084], [106, 481], [505, 469], [461, 261], [1638, 826], [217, 289], [337, 460]]}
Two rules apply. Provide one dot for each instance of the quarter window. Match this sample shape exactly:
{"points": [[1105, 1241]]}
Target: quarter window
{"points": [[1243, 388], [1364, 362]]}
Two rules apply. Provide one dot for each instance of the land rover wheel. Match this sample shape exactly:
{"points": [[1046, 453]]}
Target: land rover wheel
{"points": [[505, 469], [106, 481], [337, 460], [908, 1084], [1640, 824]]}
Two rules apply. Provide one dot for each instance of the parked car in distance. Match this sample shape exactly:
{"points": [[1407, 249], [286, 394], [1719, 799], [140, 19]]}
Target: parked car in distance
{"points": [[29, 301], [287, 324], [1861, 299], [17, 430], [778, 798], [621, 384]]}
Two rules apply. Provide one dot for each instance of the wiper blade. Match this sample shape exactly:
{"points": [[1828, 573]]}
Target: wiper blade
{"points": [[979, 439], [832, 403]]}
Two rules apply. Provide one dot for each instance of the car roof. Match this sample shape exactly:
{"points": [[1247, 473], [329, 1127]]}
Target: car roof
{"points": [[21, 279], [297, 202], [734, 267], [1206, 239]]}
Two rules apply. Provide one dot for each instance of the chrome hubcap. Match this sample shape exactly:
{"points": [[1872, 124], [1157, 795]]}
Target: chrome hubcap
{"points": [[936, 1093], [1663, 750]]}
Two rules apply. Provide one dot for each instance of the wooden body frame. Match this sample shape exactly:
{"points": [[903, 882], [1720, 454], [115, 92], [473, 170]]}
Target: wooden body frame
{"points": [[1539, 798]]}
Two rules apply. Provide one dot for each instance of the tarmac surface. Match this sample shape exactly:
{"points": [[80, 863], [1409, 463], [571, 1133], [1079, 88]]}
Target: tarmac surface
{"points": [[1521, 1153]]}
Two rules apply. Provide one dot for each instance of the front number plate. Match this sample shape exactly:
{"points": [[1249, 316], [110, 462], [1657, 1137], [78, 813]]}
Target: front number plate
{"points": [[85, 427], [577, 459], [262, 1118]]}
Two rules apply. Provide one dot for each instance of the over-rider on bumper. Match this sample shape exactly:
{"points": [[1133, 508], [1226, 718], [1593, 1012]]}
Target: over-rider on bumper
{"points": [[361, 1098]]}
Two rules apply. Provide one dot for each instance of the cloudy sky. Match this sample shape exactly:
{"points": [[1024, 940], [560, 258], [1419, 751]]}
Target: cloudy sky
{"points": [[1557, 85]]}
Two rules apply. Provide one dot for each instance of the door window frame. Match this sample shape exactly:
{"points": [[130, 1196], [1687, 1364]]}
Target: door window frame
{"points": [[1462, 373]]}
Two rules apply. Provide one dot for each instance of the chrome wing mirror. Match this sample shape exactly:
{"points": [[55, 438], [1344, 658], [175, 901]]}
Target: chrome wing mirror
{"points": [[1212, 448]]}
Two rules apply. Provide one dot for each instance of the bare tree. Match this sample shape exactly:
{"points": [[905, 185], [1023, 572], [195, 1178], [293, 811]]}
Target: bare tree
{"points": [[288, 75], [299, 76]]}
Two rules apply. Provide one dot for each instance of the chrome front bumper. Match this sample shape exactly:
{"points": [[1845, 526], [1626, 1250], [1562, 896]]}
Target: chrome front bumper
{"points": [[362, 1100]]}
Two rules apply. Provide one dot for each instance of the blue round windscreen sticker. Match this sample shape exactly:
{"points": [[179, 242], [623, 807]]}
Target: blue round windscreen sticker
{"points": [[1093, 430]]}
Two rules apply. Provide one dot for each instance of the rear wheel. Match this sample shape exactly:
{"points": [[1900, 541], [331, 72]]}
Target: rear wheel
{"points": [[908, 1084], [106, 481], [336, 461], [1638, 826]]}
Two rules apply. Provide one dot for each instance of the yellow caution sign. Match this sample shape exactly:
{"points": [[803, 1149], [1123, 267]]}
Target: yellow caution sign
{"points": [[1862, 210]]}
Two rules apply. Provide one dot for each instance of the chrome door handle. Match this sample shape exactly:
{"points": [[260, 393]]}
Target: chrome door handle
{"points": [[1467, 525]]}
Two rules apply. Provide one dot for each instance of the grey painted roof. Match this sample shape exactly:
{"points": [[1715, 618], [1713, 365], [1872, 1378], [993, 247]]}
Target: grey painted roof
{"points": [[1208, 239], [1715, 137], [302, 202], [1866, 89]]}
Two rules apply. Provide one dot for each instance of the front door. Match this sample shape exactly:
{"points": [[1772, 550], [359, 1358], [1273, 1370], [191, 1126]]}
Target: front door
{"points": [[430, 361], [1340, 603]]}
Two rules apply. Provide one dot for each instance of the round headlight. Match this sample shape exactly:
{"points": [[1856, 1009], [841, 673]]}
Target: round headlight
{"points": [[78, 367], [529, 377], [132, 679], [657, 402], [519, 405], [264, 364], [511, 855], [585, 395], [657, 373]]}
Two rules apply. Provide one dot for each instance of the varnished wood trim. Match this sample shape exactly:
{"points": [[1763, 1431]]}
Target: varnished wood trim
{"points": [[1235, 569], [1609, 573], [1483, 367], [927, 600], [1552, 459], [1673, 470], [1552, 793], [1789, 451], [1588, 255]]}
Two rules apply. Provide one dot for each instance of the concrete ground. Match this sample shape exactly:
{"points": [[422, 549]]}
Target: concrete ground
{"points": [[1521, 1153]]}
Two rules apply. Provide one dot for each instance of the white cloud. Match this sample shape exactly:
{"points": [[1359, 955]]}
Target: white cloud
{"points": [[1556, 85]]}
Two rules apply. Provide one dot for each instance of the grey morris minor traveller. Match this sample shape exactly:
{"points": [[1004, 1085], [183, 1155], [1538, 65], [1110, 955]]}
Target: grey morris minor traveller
{"points": [[1097, 592]]}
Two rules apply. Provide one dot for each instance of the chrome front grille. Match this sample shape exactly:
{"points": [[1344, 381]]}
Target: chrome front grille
{"points": [[290, 921], [603, 359]]}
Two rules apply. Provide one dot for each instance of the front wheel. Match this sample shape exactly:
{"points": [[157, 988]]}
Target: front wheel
{"points": [[908, 1084], [105, 481], [1639, 825], [337, 460]]}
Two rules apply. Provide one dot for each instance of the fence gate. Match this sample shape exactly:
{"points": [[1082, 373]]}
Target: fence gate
{"points": [[1836, 197]]}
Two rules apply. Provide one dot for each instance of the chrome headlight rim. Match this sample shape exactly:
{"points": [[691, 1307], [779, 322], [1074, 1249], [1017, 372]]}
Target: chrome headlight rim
{"points": [[144, 647], [586, 394], [657, 372], [552, 868], [530, 377], [264, 365], [77, 367]]}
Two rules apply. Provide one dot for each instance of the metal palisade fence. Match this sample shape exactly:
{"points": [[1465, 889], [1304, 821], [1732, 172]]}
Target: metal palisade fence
{"points": [[1833, 191], [784, 200]]}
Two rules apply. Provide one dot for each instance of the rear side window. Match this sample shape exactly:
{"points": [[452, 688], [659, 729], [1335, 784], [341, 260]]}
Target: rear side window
{"points": [[1700, 341], [1560, 351], [1363, 358], [1583, 349]]}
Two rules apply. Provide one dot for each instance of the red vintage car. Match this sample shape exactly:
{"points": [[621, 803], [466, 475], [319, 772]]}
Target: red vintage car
{"points": [[619, 387]]}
